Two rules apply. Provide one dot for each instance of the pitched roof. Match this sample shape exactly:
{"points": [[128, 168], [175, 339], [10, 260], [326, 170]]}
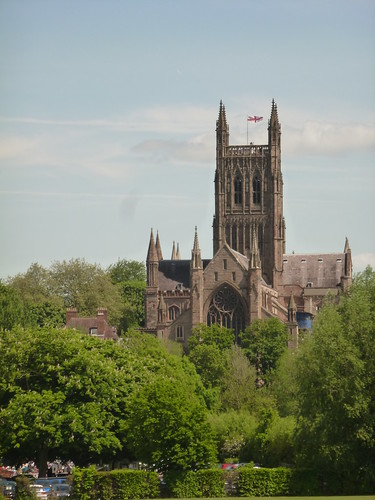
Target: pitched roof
{"points": [[172, 273], [313, 270]]}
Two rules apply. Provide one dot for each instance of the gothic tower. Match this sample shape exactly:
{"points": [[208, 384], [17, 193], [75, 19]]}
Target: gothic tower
{"points": [[249, 196]]}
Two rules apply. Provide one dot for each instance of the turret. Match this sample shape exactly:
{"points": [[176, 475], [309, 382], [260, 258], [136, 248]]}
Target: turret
{"points": [[274, 128], [196, 283], [151, 299], [158, 247], [222, 132], [346, 279]]}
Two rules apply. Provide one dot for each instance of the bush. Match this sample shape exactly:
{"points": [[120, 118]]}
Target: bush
{"points": [[23, 490], [264, 482], [88, 484], [207, 483]]}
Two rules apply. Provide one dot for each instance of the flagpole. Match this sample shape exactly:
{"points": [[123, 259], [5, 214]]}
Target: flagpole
{"points": [[247, 131]]}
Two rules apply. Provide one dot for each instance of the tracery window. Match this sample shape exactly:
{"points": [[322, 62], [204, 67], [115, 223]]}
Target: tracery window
{"points": [[256, 190], [238, 190], [173, 313], [226, 310]]}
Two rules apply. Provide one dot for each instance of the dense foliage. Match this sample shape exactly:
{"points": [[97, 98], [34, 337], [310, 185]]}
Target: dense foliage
{"points": [[336, 388], [64, 393], [40, 296]]}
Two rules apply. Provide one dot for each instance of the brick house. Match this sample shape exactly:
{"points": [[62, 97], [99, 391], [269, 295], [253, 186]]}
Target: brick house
{"points": [[95, 327]]}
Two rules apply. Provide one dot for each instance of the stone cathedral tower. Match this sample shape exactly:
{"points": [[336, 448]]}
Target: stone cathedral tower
{"points": [[249, 276], [249, 196]]}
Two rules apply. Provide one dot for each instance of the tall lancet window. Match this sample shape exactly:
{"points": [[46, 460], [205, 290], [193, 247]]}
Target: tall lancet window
{"points": [[238, 190], [256, 190]]}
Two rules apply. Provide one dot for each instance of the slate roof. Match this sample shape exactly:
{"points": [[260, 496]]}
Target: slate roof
{"points": [[313, 270], [172, 273], [85, 324]]}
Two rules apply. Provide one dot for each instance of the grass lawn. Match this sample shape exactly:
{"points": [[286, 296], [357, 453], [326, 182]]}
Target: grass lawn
{"points": [[354, 497]]}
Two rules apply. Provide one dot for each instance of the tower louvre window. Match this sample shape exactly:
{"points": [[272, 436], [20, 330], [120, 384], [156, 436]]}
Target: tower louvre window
{"points": [[256, 190], [238, 190]]}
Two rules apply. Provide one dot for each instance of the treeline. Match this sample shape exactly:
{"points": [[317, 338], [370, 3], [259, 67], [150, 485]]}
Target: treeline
{"points": [[66, 394], [41, 296]]}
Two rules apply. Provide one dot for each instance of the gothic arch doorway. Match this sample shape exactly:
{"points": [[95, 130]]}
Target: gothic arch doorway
{"points": [[226, 310]]}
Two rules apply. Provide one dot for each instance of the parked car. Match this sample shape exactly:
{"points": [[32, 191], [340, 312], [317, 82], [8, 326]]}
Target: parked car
{"points": [[38, 491], [60, 490], [7, 488]]}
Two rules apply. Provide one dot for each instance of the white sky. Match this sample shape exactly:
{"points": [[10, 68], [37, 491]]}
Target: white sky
{"points": [[108, 112]]}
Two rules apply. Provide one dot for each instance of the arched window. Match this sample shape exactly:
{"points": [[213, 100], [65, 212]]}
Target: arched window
{"points": [[173, 313], [226, 310], [256, 190], [238, 190]]}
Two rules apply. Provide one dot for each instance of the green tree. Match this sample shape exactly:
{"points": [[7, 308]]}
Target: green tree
{"points": [[210, 362], [211, 335], [46, 293], [133, 309], [86, 287], [336, 381], [233, 431], [263, 342], [34, 285], [63, 393], [127, 270], [168, 426], [238, 383], [130, 277], [11, 308], [38, 304], [284, 384]]}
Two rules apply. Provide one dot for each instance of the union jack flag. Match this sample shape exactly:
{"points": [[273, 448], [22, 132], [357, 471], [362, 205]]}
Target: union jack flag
{"points": [[254, 118]]}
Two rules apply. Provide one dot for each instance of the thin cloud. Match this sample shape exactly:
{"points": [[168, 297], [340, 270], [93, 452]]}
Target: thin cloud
{"points": [[196, 150], [158, 119], [324, 138], [362, 260]]}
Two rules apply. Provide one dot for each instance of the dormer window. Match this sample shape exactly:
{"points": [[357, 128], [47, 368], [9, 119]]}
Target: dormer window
{"points": [[93, 331]]}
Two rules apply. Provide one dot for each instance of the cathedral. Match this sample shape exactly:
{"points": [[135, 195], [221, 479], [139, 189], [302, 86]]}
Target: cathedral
{"points": [[250, 276]]}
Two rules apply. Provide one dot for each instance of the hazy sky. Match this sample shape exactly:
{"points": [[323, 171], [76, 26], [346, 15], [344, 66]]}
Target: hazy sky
{"points": [[108, 112]]}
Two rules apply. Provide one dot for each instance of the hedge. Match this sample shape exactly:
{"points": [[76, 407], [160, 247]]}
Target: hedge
{"points": [[207, 483], [263, 482], [123, 484], [88, 484]]}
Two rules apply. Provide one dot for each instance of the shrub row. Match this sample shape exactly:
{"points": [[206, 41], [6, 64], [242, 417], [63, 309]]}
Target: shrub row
{"points": [[207, 483], [277, 482], [88, 484]]}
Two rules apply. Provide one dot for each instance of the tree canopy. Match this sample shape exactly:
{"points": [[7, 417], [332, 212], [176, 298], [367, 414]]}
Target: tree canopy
{"points": [[263, 342], [336, 387], [41, 295], [63, 393]]}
